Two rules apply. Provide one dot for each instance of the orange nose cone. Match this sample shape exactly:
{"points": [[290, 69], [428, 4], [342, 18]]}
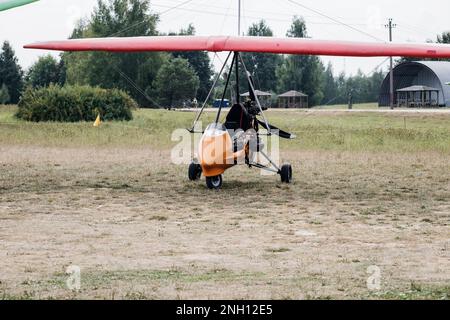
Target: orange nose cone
{"points": [[216, 153]]}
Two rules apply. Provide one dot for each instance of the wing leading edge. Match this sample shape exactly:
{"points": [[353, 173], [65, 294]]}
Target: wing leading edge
{"points": [[249, 44]]}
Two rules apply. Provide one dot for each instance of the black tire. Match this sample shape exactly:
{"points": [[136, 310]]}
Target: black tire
{"points": [[195, 172], [214, 183], [286, 173]]}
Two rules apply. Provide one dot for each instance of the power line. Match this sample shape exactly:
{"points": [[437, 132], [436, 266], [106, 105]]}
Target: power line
{"points": [[226, 8], [335, 20], [160, 14], [253, 17], [414, 31], [136, 86], [418, 29], [227, 14], [244, 17], [262, 12], [122, 74], [180, 14]]}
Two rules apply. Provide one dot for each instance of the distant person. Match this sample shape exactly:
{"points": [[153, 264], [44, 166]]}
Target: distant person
{"points": [[350, 100]]}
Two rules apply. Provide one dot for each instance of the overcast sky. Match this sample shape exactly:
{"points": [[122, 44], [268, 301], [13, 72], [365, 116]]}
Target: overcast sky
{"points": [[416, 20]]}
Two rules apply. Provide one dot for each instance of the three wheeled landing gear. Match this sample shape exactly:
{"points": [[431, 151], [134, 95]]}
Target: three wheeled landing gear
{"points": [[215, 183]]}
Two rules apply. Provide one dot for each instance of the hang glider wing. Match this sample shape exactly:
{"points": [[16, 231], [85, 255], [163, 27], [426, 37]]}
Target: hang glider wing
{"points": [[249, 44], [9, 4]]}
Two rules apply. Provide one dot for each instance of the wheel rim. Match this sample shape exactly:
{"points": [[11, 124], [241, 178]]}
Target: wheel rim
{"points": [[215, 182]]}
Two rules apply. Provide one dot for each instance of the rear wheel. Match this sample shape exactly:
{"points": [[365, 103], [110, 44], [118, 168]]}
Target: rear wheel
{"points": [[214, 183], [286, 173], [195, 171]]}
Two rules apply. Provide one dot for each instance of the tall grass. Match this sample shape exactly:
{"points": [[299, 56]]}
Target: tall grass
{"points": [[315, 131]]}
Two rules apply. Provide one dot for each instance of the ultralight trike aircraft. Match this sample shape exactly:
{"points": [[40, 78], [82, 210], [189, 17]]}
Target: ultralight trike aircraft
{"points": [[237, 140]]}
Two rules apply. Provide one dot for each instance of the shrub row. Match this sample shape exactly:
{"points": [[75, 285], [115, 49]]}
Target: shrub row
{"points": [[74, 104]]}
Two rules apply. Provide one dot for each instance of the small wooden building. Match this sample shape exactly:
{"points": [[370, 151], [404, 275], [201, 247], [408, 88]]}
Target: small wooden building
{"points": [[293, 99], [418, 97]]}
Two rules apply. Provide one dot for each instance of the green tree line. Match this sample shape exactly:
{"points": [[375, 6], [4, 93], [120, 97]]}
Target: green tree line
{"points": [[158, 79]]}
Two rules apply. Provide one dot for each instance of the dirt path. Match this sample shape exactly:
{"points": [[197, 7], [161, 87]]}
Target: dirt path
{"points": [[138, 229]]}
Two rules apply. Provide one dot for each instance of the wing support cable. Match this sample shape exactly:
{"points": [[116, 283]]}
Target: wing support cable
{"points": [[199, 114], [252, 87]]}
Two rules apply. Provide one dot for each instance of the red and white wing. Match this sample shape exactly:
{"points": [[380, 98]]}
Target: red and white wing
{"points": [[249, 44]]}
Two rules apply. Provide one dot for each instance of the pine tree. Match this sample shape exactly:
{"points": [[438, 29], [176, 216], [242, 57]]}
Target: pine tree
{"points": [[11, 74], [262, 66], [44, 72], [444, 38], [200, 61], [302, 73], [131, 72], [175, 82], [330, 89]]}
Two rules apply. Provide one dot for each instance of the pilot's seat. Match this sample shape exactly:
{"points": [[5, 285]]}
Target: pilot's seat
{"points": [[238, 122], [237, 119]]}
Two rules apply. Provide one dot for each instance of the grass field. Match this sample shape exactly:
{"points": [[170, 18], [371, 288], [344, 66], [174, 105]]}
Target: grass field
{"points": [[370, 189], [316, 131], [363, 106]]}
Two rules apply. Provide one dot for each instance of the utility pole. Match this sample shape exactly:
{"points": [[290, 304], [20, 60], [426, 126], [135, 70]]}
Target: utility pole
{"points": [[238, 95], [239, 17], [391, 26]]}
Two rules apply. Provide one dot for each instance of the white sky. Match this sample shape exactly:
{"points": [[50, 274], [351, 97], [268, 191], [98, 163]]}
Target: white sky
{"points": [[417, 21]]}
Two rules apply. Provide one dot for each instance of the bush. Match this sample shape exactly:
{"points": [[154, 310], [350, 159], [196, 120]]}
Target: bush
{"points": [[74, 103]]}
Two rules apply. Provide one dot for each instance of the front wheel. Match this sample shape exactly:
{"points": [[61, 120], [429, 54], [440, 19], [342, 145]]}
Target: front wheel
{"points": [[195, 172], [214, 183], [286, 173]]}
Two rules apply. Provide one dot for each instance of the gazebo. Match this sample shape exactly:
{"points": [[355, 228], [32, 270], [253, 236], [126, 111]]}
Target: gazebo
{"points": [[418, 97], [293, 99], [264, 97]]}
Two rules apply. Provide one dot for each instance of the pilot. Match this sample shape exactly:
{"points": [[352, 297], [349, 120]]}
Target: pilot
{"points": [[240, 123]]}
